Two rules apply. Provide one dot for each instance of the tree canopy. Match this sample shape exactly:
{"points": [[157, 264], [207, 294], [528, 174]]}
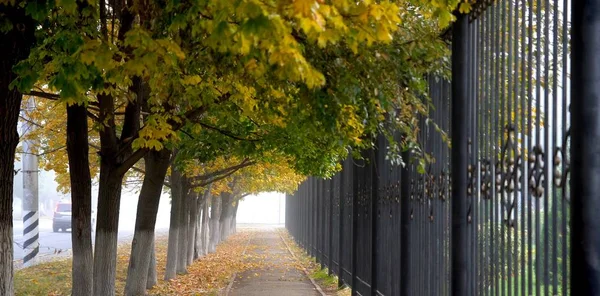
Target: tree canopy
{"points": [[260, 92], [311, 78]]}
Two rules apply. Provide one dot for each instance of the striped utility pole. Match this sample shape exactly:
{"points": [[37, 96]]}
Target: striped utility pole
{"points": [[30, 195]]}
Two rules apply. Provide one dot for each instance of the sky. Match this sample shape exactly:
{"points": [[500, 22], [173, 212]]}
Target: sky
{"points": [[264, 208]]}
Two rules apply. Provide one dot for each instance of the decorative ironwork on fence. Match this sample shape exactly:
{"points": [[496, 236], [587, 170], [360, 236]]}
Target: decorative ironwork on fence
{"points": [[501, 226]]}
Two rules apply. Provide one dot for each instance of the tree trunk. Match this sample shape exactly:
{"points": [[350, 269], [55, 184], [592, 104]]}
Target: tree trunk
{"points": [[234, 219], [107, 227], [81, 199], [15, 47], [184, 218], [193, 209], [205, 229], [113, 152], [214, 224], [157, 163], [226, 216], [173, 245], [116, 157], [200, 201], [198, 226], [152, 277]]}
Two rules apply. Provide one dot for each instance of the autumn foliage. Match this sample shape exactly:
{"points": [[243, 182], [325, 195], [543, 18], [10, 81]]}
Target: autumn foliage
{"points": [[222, 99]]}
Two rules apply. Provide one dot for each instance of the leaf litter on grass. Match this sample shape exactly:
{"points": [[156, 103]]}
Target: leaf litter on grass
{"points": [[206, 276], [213, 272]]}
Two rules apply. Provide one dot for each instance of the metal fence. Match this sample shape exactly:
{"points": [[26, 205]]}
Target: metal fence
{"points": [[492, 215]]}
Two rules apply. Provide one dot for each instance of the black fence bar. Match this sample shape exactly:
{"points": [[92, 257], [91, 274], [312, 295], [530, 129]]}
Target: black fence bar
{"points": [[341, 246], [405, 223], [374, 205], [500, 223], [460, 80], [585, 277], [319, 218], [355, 240]]}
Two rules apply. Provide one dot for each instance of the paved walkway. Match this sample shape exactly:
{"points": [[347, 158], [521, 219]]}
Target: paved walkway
{"points": [[276, 273]]}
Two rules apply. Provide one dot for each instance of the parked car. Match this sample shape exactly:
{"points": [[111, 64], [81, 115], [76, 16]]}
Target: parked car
{"points": [[62, 217]]}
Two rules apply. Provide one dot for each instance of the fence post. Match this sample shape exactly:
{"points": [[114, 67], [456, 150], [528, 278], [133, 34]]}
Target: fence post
{"points": [[323, 221], [459, 154], [585, 150], [317, 221], [330, 256], [320, 223], [313, 218], [354, 227], [309, 217], [341, 225], [304, 215], [405, 226], [374, 207], [300, 217], [286, 223]]}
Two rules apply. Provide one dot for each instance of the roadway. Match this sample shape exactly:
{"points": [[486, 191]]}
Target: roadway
{"points": [[59, 243]]}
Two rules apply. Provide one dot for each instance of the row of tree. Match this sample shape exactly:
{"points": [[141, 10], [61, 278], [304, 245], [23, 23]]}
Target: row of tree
{"points": [[211, 99]]}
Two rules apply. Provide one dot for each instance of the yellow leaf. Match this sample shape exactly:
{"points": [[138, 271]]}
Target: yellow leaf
{"points": [[304, 7], [192, 80], [464, 7]]}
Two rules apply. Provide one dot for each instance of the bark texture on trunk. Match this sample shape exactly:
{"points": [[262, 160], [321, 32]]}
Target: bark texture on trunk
{"points": [[82, 271], [152, 276], [200, 201], [234, 219], [215, 232], [193, 208], [15, 46], [81, 198], [173, 245], [198, 234], [184, 217], [6, 259], [157, 163], [226, 216], [116, 157], [205, 228], [105, 251]]}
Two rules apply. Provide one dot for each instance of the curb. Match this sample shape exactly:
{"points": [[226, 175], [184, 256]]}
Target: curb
{"points": [[303, 269]]}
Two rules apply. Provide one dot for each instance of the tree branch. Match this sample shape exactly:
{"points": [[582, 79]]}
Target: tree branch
{"points": [[205, 177], [130, 161], [93, 116], [141, 171], [44, 95], [198, 111], [226, 133], [31, 122], [201, 184], [138, 154], [52, 151], [209, 181]]}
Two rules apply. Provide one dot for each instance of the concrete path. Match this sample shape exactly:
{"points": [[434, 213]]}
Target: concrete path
{"points": [[277, 273]]}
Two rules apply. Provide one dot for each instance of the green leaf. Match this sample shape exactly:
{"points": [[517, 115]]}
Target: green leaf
{"points": [[5, 24], [69, 6]]}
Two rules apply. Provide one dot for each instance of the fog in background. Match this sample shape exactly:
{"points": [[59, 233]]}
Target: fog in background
{"points": [[49, 197], [264, 208]]}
